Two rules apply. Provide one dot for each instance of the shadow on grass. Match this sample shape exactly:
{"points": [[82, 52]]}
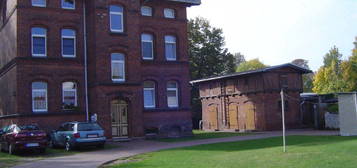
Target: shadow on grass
{"points": [[270, 143]]}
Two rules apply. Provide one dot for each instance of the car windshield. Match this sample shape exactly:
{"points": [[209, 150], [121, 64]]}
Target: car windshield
{"points": [[89, 127], [29, 127]]}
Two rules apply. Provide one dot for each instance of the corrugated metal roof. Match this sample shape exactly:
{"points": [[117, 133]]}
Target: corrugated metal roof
{"points": [[303, 70], [193, 2]]}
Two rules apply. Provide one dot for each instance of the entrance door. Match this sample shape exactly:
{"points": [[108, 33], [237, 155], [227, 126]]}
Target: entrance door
{"points": [[233, 116], [213, 117], [119, 110], [250, 120]]}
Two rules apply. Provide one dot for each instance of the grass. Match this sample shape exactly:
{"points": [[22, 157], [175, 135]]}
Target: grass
{"points": [[302, 152], [198, 134], [7, 160]]}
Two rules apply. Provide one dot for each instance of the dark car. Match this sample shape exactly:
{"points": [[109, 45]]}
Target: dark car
{"points": [[15, 138], [78, 134]]}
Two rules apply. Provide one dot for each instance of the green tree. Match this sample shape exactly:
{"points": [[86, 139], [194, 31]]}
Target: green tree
{"points": [[239, 58], [329, 78], [250, 65], [307, 78], [208, 57], [349, 70]]}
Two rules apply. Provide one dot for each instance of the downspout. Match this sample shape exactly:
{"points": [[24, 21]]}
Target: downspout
{"points": [[85, 60]]}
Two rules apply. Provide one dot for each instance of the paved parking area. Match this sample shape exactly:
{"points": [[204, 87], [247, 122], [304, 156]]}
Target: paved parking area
{"points": [[127, 149]]}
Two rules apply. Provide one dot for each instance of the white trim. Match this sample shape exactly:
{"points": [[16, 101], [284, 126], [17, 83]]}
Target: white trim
{"points": [[71, 8], [152, 47], [74, 45], [41, 36], [33, 102], [118, 61], [121, 14], [154, 96]]}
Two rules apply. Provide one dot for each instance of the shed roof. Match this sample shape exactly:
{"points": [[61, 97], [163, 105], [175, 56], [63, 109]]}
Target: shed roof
{"points": [[289, 65]]}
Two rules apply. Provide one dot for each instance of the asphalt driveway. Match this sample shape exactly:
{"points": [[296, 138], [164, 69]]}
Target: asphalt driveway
{"points": [[127, 149]]}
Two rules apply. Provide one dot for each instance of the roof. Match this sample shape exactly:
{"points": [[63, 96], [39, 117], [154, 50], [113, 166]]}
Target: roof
{"points": [[192, 2], [289, 65]]}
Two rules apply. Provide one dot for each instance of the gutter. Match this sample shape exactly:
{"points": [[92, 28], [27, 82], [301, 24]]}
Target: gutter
{"points": [[85, 60]]}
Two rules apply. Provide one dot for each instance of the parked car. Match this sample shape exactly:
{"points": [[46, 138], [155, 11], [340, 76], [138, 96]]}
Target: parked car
{"points": [[14, 138], [78, 134]]}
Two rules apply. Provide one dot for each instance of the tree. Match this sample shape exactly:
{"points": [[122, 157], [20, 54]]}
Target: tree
{"points": [[329, 77], [239, 58], [307, 78], [250, 65], [349, 70], [208, 57]]}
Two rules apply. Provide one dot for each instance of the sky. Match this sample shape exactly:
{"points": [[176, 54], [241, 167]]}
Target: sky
{"points": [[279, 31]]}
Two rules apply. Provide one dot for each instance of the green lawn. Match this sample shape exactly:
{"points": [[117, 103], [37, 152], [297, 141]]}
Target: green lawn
{"points": [[303, 152], [198, 134], [7, 160]]}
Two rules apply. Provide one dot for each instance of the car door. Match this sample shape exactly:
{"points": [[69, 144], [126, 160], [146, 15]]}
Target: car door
{"points": [[2, 135], [60, 135]]}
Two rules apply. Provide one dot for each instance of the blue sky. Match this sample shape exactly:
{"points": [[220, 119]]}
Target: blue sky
{"points": [[279, 31]]}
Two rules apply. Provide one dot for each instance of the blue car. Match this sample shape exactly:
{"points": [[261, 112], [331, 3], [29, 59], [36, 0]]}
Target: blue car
{"points": [[78, 134]]}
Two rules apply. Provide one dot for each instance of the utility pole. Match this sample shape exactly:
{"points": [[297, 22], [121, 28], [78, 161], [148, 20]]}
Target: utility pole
{"points": [[283, 117]]}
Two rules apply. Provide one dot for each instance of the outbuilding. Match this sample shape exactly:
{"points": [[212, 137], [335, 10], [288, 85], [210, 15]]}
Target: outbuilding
{"points": [[250, 101]]}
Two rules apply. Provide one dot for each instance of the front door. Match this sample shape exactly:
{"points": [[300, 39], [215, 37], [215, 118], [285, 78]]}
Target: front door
{"points": [[119, 111]]}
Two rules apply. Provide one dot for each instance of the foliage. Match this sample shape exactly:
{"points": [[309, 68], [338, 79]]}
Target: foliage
{"points": [[208, 57], [333, 56], [332, 108], [250, 65], [239, 58], [307, 78], [349, 69], [302, 152]]}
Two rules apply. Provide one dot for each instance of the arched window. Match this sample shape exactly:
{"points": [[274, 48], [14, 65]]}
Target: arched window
{"points": [[69, 95], [39, 3], [149, 94], [147, 46], [146, 11], [39, 97], [38, 39], [68, 4], [118, 67], [172, 94], [170, 48], [116, 18], [68, 43]]}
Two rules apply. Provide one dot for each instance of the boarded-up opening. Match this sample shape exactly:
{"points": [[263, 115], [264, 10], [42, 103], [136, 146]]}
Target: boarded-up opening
{"points": [[250, 113], [233, 116], [213, 117]]}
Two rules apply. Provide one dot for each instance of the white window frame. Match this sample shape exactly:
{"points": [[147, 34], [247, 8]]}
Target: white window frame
{"points": [[75, 46], [152, 48], [33, 102], [121, 14], [72, 8], [38, 5], [112, 66], [70, 90], [32, 44], [177, 96], [154, 96], [169, 10], [170, 42], [146, 7]]}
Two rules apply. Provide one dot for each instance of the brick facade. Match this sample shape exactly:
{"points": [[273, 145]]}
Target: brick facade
{"points": [[250, 101], [18, 69]]}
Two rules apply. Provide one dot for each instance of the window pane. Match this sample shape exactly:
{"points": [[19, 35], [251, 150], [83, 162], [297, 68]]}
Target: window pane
{"points": [[118, 57], [39, 96], [114, 8], [116, 22], [149, 98], [68, 4], [40, 3], [169, 13], [68, 32], [38, 31], [39, 45], [68, 46], [171, 98], [149, 84], [146, 11], [39, 85], [170, 39], [147, 50], [69, 85], [117, 71], [172, 85], [170, 51]]}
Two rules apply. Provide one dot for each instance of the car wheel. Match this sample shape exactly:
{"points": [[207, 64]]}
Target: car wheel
{"points": [[68, 146], [11, 149]]}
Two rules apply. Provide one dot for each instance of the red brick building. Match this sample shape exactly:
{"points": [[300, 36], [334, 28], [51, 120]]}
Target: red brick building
{"points": [[249, 101], [125, 61]]}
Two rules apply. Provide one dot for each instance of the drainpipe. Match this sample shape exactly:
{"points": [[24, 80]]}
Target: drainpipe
{"points": [[85, 60]]}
